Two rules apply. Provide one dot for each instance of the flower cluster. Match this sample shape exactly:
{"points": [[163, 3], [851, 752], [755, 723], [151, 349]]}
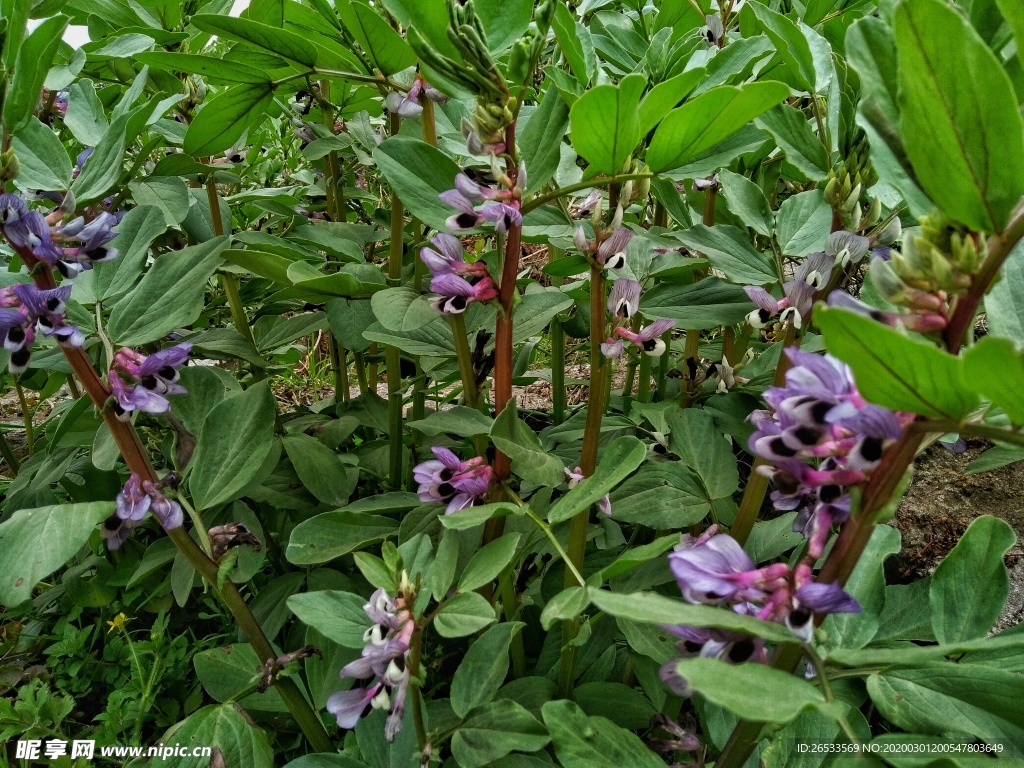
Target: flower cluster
{"points": [[623, 304], [821, 437], [459, 282], [812, 276], [500, 206], [713, 569], [26, 311], [408, 105], [448, 480], [382, 663], [152, 379], [85, 243], [133, 502]]}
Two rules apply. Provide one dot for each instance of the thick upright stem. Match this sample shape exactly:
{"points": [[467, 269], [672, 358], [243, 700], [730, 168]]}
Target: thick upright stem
{"points": [[227, 280], [135, 457], [757, 484], [588, 462], [392, 354], [465, 359]]}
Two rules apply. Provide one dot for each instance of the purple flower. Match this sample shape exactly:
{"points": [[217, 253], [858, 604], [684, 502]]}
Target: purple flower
{"points": [[714, 569], [448, 480], [132, 503], [408, 106], [448, 259], [501, 206], [611, 253], [155, 377], [456, 293], [383, 657], [624, 300], [26, 311], [649, 337], [820, 437]]}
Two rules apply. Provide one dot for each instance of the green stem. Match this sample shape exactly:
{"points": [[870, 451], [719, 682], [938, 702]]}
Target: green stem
{"points": [[364, 385], [7, 452], [26, 415], [510, 604], [643, 387], [465, 358], [554, 194], [227, 280], [664, 363], [757, 484], [415, 697], [557, 352], [579, 524], [392, 354]]}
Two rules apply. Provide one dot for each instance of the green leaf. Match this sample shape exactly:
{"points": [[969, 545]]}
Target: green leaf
{"points": [[651, 608], [896, 371], [463, 614], [792, 132], [234, 440], [576, 43], [954, 699], [227, 671], [290, 46], [483, 668], [85, 116], [593, 742], [747, 201], [170, 296], [333, 534], [459, 420], [478, 515], [567, 604], [770, 539], [44, 161], [700, 445], [35, 56], [661, 495], [729, 250], [494, 730], [402, 309], [418, 173], [338, 616], [704, 121], [1004, 305], [970, 585], [488, 562], [605, 126], [319, 468], [626, 707], [210, 67], [385, 47], [959, 118], [618, 461], [708, 303], [169, 194], [36, 542], [666, 96], [541, 139], [226, 116], [530, 461], [803, 223], [790, 44], [505, 21], [226, 727], [751, 691], [102, 171], [995, 369]]}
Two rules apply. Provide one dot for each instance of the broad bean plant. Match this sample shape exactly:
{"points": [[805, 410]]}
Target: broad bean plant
{"points": [[506, 382]]}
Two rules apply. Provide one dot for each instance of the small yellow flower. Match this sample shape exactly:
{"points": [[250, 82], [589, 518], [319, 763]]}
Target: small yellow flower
{"points": [[118, 622]]}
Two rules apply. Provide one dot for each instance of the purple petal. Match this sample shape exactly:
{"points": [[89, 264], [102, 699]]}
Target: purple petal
{"points": [[446, 457], [451, 285], [826, 598], [348, 706], [762, 298]]}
